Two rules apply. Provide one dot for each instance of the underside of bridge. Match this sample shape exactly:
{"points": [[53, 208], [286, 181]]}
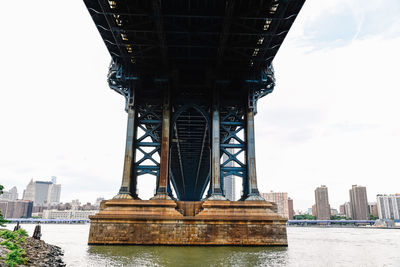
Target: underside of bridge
{"points": [[191, 72]]}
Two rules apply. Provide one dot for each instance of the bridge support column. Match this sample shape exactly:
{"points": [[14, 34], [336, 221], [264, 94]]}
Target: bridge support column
{"points": [[254, 194], [215, 183], [128, 186], [164, 158]]}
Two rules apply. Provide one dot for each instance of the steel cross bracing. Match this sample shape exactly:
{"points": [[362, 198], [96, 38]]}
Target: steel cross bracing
{"points": [[233, 144], [189, 50], [148, 144]]}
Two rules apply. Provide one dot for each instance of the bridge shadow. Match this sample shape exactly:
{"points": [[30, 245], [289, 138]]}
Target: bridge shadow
{"points": [[187, 256]]}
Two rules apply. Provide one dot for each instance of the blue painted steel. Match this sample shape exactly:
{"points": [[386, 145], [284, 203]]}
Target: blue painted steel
{"points": [[224, 45], [44, 221], [149, 121], [370, 222], [232, 145]]}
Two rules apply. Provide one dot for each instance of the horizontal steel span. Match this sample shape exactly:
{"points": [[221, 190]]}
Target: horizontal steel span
{"points": [[191, 73], [163, 36]]}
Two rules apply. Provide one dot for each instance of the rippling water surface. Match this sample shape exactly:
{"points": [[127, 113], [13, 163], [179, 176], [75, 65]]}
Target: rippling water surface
{"points": [[307, 247]]}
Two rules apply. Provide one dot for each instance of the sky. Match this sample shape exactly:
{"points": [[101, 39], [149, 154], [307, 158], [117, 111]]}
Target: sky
{"points": [[333, 118]]}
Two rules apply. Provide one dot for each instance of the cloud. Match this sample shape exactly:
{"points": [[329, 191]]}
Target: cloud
{"points": [[332, 118], [329, 24]]}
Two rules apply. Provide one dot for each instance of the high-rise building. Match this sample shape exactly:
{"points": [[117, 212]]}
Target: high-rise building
{"points": [[43, 193], [54, 194], [373, 209], [98, 201], [388, 206], [322, 207], [342, 209], [347, 210], [229, 180], [281, 200], [16, 208], [290, 207], [359, 202], [10, 195], [334, 211]]}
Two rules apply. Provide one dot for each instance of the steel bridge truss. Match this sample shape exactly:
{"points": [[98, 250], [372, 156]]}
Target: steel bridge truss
{"points": [[192, 73], [148, 144], [233, 145]]}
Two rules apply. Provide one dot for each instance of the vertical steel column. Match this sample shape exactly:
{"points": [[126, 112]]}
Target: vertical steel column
{"points": [[164, 158], [216, 190], [128, 186], [251, 154]]}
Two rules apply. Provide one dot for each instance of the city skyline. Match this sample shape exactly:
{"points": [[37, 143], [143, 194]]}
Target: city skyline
{"points": [[325, 123], [371, 199]]}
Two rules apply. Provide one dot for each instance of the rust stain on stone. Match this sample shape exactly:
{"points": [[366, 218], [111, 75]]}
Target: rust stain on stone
{"points": [[166, 222]]}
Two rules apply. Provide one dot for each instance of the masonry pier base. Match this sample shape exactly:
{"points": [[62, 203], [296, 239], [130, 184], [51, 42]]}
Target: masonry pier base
{"points": [[169, 222]]}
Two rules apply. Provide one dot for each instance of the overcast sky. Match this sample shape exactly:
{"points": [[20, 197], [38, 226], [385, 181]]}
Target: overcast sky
{"points": [[333, 118]]}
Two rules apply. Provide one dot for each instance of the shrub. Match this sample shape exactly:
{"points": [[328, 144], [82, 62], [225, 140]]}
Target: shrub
{"points": [[16, 257], [12, 242]]}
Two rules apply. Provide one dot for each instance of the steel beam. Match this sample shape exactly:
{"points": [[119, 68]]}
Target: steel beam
{"points": [[164, 158], [254, 194], [128, 186], [216, 189]]}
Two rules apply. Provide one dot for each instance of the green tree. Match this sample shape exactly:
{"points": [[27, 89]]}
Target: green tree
{"points": [[304, 217], [372, 217], [338, 217]]}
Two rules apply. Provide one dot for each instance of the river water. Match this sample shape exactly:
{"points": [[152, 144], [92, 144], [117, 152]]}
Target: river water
{"points": [[308, 246]]}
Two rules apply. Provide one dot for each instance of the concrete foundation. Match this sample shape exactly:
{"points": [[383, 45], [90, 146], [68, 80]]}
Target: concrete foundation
{"points": [[167, 222]]}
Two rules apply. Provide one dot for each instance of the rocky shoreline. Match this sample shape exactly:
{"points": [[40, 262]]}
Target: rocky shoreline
{"points": [[38, 253]]}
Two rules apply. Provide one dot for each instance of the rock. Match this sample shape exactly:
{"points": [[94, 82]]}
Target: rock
{"points": [[41, 254]]}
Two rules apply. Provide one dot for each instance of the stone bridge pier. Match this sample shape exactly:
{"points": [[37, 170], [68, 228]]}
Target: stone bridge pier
{"points": [[191, 73]]}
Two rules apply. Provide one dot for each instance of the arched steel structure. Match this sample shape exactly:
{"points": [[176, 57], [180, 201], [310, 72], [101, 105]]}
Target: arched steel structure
{"points": [[206, 62]]}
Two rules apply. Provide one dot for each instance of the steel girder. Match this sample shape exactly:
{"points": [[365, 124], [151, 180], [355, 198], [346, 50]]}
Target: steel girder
{"points": [[233, 144], [148, 143], [194, 48]]}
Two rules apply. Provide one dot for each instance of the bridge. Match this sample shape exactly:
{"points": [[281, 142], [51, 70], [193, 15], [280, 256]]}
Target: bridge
{"points": [[331, 222], [48, 221], [191, 73]]}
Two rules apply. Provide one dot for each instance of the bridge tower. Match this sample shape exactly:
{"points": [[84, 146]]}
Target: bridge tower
{"points": [[191, 73]]}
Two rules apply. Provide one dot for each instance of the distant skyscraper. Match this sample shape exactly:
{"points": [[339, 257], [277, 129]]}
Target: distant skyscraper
{"points": [[314, 211], [322, 207], [359, 203], [347, 210], [342, 209], [54, 194], [281, 200], [42, 193], [388, 206], [373, 209], [229, 181], [11, 194], [16, 208], [98, 201]]}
